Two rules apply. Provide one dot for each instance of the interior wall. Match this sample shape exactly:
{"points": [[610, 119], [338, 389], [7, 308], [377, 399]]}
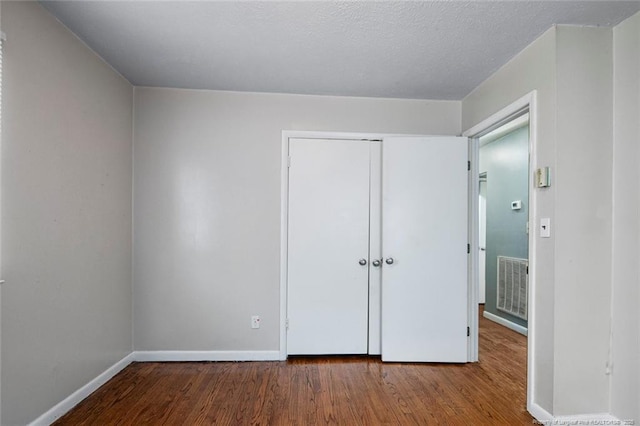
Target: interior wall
{"points": [[207, 205], [66, 214], [583, 212], [571, 69], [532, 69], [506, 163], [625, 379]]}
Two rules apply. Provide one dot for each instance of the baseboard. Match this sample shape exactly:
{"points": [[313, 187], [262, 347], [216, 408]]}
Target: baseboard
{"points": [[72, 400], [584, 419], [587, 419], [543, 417], [540, 414], [513, 326], [149, 356]]}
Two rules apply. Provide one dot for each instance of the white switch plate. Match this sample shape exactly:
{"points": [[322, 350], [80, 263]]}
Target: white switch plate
{"points": [[255, 321], [545, 227]]}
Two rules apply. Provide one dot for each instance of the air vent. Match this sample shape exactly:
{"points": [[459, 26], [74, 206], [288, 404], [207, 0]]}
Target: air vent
{"points": [[513, 286]]}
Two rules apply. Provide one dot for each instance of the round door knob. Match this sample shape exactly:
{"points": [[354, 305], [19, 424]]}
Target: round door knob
{"points": [[376, 263], [389, 260], [362, 262]]}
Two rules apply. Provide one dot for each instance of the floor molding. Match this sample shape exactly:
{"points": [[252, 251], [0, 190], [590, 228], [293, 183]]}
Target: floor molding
{"points": [[513, 326], [587, 419], [159, 356], [72, 400], [543, 417], [540, 414]]}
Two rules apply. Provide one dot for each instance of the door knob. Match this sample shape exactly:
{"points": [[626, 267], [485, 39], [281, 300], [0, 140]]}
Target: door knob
{"points": [[376, 263], [389, 260], [362, 262]]}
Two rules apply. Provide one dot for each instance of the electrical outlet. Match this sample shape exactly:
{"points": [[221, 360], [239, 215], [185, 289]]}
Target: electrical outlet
{"points": [[255, 321]]}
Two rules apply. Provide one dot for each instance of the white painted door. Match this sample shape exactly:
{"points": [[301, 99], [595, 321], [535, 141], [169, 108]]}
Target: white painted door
{"points": [[424, 243], [328, 242]]}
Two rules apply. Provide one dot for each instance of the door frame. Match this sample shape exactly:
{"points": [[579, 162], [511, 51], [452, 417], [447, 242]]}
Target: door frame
{"points": [[284, 207], [482, 272], [526, 103]]}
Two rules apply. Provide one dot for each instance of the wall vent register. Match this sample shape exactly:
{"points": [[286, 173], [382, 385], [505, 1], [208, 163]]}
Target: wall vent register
{"points": [[513, 286]]}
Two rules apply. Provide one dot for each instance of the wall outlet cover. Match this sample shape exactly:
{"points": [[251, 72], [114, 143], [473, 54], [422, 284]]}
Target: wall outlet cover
{"points": [[255, 321]]}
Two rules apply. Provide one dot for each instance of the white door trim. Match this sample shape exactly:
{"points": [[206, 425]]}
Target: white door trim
{"points": [[284, 209], [527, 102]]}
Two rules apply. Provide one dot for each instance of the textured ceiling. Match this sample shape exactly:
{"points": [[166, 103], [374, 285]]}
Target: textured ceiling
{"points": [[424, 50]]}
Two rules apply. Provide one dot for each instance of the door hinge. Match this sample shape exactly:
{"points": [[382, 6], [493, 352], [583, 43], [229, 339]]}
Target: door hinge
{"points": [[469, 165], [527, 269], [286, 323], [468, 332], [289, 162], [468, 248]]}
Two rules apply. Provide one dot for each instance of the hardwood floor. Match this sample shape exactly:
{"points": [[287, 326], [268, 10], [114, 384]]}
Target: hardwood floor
{"points": [[349, 390]]}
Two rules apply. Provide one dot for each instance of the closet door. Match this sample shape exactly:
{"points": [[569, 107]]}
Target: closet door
{"points": [[328, 246], [424, 244]]}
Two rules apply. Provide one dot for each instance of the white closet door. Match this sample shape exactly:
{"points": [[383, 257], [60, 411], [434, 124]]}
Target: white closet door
{"points": [[327, 295], [424, 243]]}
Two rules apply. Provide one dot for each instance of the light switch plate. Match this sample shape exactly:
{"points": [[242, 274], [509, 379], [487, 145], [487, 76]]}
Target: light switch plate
{"points": [[545, 227]]}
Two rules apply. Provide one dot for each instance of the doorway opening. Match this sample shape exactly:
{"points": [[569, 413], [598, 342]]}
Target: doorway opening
{"points": [[503, 252], [503, 204], [509, 248]]}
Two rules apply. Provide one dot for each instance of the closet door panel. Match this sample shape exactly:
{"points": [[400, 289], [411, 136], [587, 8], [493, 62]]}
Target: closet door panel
{"points": [[424, 243], [328, 238]]}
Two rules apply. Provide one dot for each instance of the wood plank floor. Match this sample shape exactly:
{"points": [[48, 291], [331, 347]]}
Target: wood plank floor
{"points": [[348, 390]]}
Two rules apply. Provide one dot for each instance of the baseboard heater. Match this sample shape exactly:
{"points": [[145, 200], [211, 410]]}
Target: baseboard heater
{"points": [[513, 286]]}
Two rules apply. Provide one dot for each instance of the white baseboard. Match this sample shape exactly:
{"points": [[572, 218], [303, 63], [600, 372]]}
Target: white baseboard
{"points": [[513, 326], [596, 418], [149, 356], [540, 414], [587, 419], [72, 400], [543, 417]]}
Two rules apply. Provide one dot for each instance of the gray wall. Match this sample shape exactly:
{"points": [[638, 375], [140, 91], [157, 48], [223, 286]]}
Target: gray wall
{"points": [[571, 69], [584, 246], [66, 214], [625, 380], [207, 205], [66, 186], [532, 69], [506, 162], [583, 211]]}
